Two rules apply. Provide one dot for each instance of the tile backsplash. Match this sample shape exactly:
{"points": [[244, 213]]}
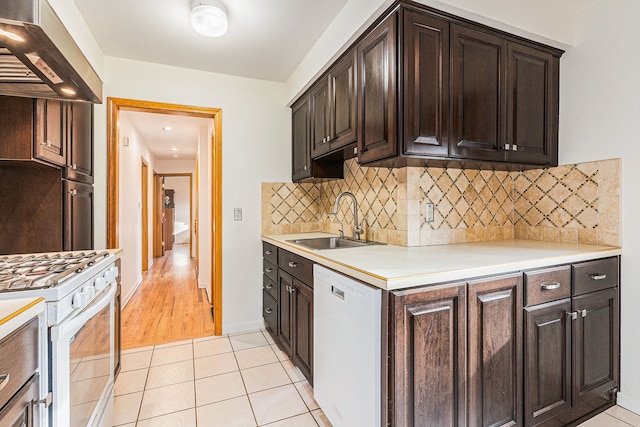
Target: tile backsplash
{"points": [[577, 203]]}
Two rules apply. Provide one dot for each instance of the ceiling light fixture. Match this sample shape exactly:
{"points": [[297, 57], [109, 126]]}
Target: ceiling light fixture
{"points": [[209, 17], [68, 91], [174, 149], [167, 128]]}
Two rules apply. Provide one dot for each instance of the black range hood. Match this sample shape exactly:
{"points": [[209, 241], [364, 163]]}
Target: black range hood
{"points": [[39, 58]]}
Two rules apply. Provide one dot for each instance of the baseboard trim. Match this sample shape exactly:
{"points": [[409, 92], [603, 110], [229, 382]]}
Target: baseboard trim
{"points": [[135, 287], [242, 327], [628, 402]]}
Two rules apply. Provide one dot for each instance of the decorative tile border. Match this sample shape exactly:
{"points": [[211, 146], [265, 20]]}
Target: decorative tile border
{"points": [[571, 203]]}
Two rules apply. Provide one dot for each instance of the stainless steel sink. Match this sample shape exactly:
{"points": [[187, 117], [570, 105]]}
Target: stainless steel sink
{"points": [[332, 243]]}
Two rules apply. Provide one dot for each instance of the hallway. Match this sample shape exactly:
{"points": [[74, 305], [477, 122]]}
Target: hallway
{"points": [[168, 306]]}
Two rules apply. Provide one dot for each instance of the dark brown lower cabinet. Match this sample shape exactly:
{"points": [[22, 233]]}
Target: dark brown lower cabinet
{"points": [[285, 325], [429, 364], [547, 360], [302, 346], [20, 410], [495, 351], [596, 346]]}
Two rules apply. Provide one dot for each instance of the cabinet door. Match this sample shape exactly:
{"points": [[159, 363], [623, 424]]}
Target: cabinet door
{"points": [[79, 142], [270, 312], [319, 107], [285, 318], [495, 351], [303, 320], [20, 410], [50, 131], [532, 105], [547, 361], [301, 154], [429, 357], [426, 85], [377, 98], [478, 101], [343, 101], [78, 216], [596, 334]]}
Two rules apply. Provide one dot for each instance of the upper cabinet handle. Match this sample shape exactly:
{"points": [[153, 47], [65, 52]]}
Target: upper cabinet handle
{"points": [[73, 192], [598, 276], [550, 287]]}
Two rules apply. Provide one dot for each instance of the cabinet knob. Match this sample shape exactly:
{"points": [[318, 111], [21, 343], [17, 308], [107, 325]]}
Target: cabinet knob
{"points": [[306, 167], [73, 192], [74, 166], [46, 143], [550, 287], [293, 264], [268, 310]]}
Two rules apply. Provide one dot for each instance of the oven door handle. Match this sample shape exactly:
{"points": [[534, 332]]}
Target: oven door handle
{"points": [[70, 327]]}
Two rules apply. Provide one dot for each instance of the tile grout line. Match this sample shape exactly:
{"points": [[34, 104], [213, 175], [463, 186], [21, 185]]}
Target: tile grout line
{"points": [[244, 384]]}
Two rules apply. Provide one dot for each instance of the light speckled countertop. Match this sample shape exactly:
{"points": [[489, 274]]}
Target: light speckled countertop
{"points": [[395, 267]]}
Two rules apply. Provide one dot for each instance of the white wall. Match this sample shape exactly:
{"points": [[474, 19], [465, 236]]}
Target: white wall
{"points": [[599, 111], [130, 206], [256, 148]]}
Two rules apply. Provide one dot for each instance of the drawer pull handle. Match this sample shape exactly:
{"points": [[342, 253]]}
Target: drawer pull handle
{"points": [[4, 380], [268, 269], [293, 264], [268, 311], [573, 315], [268, 286], [552, 286], [268, 252], [598, 276]]}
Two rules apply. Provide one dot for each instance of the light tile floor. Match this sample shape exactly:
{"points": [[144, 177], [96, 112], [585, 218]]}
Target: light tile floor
{"points": [[616, 416], [238, 380]]}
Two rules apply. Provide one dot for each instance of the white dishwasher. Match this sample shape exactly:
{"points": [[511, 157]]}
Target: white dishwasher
{"points": [[346, 349]]}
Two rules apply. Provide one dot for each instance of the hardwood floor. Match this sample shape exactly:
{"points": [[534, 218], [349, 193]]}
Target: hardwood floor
{"points": [[168, 306]]}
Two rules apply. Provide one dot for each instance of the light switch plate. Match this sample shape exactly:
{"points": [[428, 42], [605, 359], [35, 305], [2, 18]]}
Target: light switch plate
{"points": [[237, 214]]}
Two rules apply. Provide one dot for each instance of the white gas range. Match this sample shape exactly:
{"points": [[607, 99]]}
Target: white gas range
{"points": [[79, 289]]}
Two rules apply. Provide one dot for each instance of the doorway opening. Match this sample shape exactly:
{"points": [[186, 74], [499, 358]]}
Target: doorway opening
{"points": [[144, 179], [213, 175]]}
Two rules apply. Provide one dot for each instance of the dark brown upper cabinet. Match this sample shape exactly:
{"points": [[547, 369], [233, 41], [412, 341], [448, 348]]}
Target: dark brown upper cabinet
{"points": [[301, 154], [78, 216], [432, 89], [79, 137], [50, 138], [425, 77], [333, 107], [377, 112], [477, 99]]}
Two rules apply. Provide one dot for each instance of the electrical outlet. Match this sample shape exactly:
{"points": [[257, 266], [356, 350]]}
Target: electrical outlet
{"points": [[429, 212], [237, 214]]}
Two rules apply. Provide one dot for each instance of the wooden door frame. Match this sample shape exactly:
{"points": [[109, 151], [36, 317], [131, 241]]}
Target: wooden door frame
{"points": [[191, 217], [114, 106], [145, 212], [157, 216]]}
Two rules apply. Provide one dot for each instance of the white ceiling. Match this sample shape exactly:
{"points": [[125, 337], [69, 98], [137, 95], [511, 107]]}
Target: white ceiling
{"points": [[266, 39], [183, 137]]}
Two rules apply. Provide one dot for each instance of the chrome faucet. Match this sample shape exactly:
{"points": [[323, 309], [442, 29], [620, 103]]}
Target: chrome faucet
{"points": [[356, 226]]}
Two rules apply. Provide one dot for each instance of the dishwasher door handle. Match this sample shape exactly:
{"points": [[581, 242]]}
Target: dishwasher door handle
{"points": [[337, 292]]}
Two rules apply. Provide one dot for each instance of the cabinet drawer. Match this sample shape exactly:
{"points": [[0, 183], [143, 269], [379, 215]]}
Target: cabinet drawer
{"points": [[595, 275], [270, 270], [547, 285], [270, 252], [270, 312], [18, 359], [271, 286], [297, 266]]}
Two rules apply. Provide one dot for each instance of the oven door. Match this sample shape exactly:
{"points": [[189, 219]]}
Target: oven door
{"points": [[82, 357]]}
